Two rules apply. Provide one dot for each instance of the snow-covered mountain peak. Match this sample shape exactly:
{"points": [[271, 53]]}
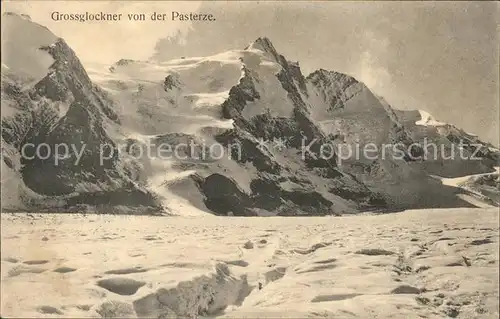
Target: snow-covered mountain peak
{"points": [[234, 98], [427, 119], [18, 15], [262, 44], [22, 48], [266, 46]]}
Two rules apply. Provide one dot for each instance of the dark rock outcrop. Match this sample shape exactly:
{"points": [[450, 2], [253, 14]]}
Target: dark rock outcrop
{"points": [[41, 123], [223, 196]]}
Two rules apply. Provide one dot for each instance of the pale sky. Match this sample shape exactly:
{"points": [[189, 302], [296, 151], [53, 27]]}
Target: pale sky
{"points": [[442, 57], [105, 42]]}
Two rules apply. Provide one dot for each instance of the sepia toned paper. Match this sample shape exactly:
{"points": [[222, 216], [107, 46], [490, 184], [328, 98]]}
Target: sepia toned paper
{"points": [[249, 159]]}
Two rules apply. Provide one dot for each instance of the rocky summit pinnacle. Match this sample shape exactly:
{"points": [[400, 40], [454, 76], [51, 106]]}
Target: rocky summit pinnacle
{"points": [[263, 44]]}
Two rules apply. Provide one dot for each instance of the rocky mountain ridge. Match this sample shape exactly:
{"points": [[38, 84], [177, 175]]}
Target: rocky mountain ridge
{"points": [[239, 97]]}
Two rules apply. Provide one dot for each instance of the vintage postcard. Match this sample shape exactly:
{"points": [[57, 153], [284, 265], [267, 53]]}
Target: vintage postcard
{"points": [[249, 159]]}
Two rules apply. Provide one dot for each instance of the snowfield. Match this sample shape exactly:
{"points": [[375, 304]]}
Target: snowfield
{"points": [[434, 263], [415, 264]]}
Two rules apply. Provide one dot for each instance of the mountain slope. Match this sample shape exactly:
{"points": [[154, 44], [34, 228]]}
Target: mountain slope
{"points": [[451, 152], [481, 187], [50, 106], [244, 96], [243, 132]]}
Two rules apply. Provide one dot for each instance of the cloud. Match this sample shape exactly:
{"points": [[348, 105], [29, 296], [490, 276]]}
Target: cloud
{"points": [[374, 76], [107, 42], [370, 69]]}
